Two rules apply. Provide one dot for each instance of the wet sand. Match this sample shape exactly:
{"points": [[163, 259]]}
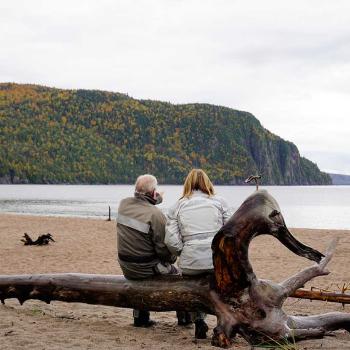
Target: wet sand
{"points": [[89, 246]]}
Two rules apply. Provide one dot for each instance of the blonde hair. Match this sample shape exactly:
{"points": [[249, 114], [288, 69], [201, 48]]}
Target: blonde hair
{"points": [[197, 179]]}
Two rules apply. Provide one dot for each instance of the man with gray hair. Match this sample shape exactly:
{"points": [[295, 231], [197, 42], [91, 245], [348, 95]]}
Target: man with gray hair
{"points": [[146, 184], [140, 232]]}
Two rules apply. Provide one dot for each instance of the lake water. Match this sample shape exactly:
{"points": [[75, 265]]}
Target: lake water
{"points": [[309, 207]]}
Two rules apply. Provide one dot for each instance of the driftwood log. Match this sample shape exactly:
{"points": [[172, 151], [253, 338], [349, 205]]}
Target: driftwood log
{"points": [[41, 240], [242, 303]]}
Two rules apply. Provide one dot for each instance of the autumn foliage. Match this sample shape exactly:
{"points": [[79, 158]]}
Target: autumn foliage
{"points": [[50, 135]]}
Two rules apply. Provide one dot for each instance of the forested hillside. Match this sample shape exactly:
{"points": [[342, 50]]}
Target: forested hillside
{"points": [[50, 135], [340, 179]]}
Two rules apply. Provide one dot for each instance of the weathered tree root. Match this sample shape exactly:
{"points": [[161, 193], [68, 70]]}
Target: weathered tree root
{"points": [[41, 240], [242, 303]]}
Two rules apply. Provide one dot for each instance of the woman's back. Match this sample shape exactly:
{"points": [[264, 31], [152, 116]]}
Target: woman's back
{"points": [[200, 214], [191, 226]]}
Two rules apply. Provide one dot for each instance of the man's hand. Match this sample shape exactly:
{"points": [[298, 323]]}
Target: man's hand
{"points": [[158, 197]]}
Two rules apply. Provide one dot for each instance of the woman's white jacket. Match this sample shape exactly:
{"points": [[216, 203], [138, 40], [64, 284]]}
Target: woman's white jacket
{"points": [[191, 226]]}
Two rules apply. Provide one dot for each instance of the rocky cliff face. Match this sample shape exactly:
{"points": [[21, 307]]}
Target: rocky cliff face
{"points": [[281, 164], [85, 136]]}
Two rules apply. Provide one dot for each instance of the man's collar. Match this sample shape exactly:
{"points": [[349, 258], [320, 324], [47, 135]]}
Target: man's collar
{"points": [[146, 197]]}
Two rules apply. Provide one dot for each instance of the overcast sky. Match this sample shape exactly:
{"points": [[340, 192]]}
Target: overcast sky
{"points": [[287, 62]]}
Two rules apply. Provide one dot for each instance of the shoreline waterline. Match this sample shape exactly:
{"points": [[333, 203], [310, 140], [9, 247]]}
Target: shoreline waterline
{"points": [[323, 207]]}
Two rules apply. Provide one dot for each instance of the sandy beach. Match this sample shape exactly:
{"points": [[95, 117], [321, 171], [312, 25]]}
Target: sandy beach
{"points": [[89, 246]]}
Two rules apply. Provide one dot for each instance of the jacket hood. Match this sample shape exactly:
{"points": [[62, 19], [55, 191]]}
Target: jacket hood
{"points": [[148, 198]]}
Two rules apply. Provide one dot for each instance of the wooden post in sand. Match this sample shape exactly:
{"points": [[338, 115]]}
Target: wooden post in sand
{"points": [[109, 213]]}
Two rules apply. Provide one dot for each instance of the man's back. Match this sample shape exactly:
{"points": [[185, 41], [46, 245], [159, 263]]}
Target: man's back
{"points": [[141, 231], [140, 234]]}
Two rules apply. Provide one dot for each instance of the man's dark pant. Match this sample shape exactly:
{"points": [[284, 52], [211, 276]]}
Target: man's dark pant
{"points": [[142, 317]]}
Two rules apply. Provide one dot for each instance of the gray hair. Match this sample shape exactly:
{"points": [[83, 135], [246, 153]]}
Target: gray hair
{"points": [[146, 184]]}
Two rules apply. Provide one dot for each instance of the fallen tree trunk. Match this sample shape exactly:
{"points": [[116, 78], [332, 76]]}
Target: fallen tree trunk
{"points": [[241, 302], [157, 294]]}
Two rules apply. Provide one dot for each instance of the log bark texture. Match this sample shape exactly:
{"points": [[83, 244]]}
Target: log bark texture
{"points": [[242, 303]]}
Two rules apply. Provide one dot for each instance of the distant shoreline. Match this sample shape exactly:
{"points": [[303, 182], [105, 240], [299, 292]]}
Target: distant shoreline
{"points": [[311, 206]]}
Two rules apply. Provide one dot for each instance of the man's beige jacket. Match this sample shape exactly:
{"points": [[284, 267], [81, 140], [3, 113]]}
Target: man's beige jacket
{"points": [[140, 237]]}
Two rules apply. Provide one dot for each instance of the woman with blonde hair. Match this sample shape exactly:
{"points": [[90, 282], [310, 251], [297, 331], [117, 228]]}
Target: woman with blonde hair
{"points": [[191, 226]]}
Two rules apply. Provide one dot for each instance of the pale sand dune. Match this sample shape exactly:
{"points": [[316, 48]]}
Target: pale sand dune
{"points": [[89, 246]]}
